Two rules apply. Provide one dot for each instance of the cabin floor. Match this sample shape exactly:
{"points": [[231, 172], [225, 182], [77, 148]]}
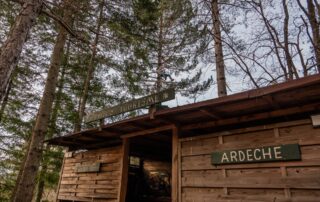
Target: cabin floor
{"points": [[149, 176]]}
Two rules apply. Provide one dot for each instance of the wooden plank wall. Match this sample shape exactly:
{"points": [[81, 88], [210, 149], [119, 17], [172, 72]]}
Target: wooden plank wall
{"points": [[281, 181], [97, 186]]}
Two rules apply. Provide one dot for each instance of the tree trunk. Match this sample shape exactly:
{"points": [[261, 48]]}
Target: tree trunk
{"points": [[291, 67], [91, 67], [27, 184], [14, 191], [274, 36], [52, 127], [221, 79], [160, 56], [5, 99], [312, 15], [11, 49], [41, 183]]}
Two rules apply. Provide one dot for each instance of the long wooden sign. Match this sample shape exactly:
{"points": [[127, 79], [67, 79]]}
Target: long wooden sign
{"points": [[162, 96], [287, 152]]}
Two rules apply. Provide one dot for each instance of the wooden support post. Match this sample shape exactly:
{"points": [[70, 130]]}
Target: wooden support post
{"points": [[152, 111], [124, 170], [179, 172], [175, 165], [101, 123]]}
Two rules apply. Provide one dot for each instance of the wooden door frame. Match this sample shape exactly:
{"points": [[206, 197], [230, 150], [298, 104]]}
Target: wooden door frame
{"points": [[175, 175]]}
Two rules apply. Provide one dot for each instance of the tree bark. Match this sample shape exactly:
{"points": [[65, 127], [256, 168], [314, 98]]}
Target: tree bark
{"points": [[291, 67], [12, 47], [91, 68], [14, 191], [312, 15], [160, 55], [5, 99], [27, 183], [274, 38], [52, 127], [41, 183], [220, 66]]}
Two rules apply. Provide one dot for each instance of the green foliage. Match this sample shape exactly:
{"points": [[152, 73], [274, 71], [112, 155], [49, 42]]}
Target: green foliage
{"points": [[53, 160], [160, 40]]}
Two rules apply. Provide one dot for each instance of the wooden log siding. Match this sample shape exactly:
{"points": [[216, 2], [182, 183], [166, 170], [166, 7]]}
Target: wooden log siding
{"points": [[97, 186], [278, 181]]}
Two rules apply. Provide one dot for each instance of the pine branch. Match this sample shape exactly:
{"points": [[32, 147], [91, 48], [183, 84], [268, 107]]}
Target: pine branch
{"points": [[63, 24], [55, 17]]}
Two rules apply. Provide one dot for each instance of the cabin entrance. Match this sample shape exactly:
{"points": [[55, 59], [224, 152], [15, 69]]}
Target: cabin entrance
{"points": [[149, 173]]}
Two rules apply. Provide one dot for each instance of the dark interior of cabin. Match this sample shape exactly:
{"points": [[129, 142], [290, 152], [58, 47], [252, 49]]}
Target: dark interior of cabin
{"points": [[149, 176]]}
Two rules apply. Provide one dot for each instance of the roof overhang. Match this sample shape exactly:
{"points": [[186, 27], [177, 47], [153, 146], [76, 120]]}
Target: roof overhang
{"points": [[293, 99]]}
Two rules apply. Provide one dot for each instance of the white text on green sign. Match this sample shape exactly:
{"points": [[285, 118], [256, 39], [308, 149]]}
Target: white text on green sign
{"points": [[288, 152]]}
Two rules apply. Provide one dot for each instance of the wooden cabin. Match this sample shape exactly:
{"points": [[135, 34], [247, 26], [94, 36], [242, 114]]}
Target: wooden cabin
{"points": [[259, 145]]}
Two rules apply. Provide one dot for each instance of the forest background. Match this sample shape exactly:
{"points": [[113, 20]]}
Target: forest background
{"points": [[61, 59]]}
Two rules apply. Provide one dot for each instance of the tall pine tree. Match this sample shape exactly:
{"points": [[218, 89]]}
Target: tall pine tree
{"points": [[159, 40]]}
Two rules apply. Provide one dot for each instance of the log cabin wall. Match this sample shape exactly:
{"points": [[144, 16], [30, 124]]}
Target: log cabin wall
{"points": [[273, 181], [91, 186]]}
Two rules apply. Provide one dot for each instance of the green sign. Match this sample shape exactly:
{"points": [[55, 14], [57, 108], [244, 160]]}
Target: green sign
{"points": [[95, 167], [162, 96], [287, 152]]}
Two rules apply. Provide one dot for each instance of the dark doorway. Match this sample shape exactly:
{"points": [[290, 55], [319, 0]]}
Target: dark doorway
{"points": [[149, 176]]}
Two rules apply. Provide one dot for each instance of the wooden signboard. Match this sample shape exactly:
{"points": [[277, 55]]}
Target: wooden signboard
{"points": [[95, 167], [162, 96], [287, 152]]}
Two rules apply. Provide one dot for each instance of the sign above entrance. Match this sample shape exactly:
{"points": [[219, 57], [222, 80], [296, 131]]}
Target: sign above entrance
{"points": [[161, 96], [287, 152]]}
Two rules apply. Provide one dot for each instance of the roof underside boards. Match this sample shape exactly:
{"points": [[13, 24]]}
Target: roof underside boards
{"points": [[296, 98]]}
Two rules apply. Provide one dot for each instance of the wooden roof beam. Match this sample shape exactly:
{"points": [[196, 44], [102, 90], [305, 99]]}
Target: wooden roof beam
{"points": [[140, 126], [168, 120], [253, 117], [78, 139], [159, 138], [99, 137], [271, 100], [149, 139], [210, 113], [65, 143], [111, 132], [149, 131], [103, 144], [83, 138]]}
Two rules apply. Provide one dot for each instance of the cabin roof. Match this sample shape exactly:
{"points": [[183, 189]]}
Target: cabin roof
{"points": [[293, 99]]}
